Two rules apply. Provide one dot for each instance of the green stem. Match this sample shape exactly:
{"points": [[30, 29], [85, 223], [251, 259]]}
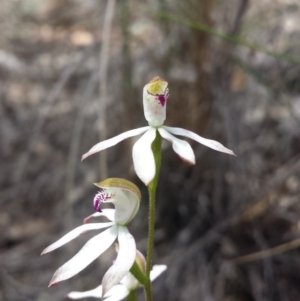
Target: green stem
{"points": [[143, 279], [156, 148], [148, 291]]}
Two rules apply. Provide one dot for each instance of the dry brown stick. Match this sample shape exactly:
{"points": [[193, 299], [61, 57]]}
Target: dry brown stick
{"points": [[269, 252], [74, 157], [214, 234], [272, 188], [103, 64]]}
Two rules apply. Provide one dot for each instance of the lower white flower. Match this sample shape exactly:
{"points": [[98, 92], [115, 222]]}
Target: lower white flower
{"points": [[126, 198], [121, 290], [155, 95]]}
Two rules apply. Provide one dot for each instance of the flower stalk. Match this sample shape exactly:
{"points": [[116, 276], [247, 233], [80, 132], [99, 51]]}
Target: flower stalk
{"points": [[156, 149]]}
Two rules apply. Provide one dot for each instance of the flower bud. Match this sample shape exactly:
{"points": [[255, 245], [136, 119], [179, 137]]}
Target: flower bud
{"points": [[155, 95], [141, 261]]}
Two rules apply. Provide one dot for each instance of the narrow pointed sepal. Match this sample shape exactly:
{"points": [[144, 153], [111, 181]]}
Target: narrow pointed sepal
{"points": [[157, 270], [113, 141], [95, 293], [75, 233], [124, 261], [118, 292], [180, 147], [88, 253], [108, 213], [207, 142]]}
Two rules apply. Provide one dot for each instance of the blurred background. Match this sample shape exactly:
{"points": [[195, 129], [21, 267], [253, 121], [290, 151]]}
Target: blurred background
{"points": [[72, 73]]}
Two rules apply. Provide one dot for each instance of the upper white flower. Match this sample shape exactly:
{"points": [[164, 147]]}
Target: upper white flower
{"points": [[155, 96], [126, 198]]}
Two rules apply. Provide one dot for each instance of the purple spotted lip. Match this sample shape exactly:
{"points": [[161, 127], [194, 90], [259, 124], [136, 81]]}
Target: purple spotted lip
{"points": [[99, 198]]}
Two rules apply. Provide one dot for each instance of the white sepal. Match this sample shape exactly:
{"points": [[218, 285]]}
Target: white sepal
{"points": [[75, 233], [207, 142], [119, 292], [95, 293], [181, 147], [130, 282], [88, 253], [124, 261], [157, 270], [113, 141], [108, 213], [143, 158]]}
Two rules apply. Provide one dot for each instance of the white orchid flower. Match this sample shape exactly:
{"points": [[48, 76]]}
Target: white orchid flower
{"points": [[121, 290], [126, 285], [155, 95], [125, 196]]}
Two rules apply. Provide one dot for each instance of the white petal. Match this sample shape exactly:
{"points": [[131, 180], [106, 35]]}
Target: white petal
{"points": [[124, 261], [75, 233], [143, 158], [96, 293], [89, 252], [181, 147], [156, 271], [207, 142], [108, 213], [118, 292], [113, 141], [130, 282]]}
